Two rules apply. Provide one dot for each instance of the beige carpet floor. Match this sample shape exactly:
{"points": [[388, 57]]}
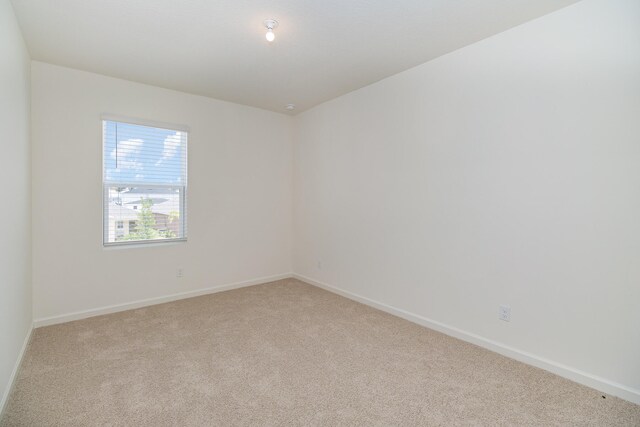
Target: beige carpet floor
{"points": [[284, 353]]}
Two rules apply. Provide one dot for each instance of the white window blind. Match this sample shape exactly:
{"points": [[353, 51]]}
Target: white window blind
{"points": [[144, 183]]}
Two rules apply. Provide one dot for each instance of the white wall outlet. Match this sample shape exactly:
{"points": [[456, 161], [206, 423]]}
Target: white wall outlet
{"points": [[504, 313], [179, 273], [319, 265]]}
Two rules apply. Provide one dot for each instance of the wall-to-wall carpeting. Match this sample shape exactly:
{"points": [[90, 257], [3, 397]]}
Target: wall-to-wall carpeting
{"points": [[284, 353]]}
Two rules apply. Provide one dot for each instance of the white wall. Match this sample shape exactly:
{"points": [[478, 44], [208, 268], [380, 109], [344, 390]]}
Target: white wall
{"points": [[507, 172], [239, 207], [15, 215]]}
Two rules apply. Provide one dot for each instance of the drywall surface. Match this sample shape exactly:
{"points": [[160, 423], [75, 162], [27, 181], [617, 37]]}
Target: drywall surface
{"points": [[505, 173], [239, 195], [15, 214]]}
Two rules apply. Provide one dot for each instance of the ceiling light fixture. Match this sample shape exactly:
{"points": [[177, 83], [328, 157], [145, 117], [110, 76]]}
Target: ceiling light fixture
{"points": [[270, 24]]}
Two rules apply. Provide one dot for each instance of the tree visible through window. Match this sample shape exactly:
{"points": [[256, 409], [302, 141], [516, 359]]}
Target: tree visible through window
{"points": [[145, 183]]}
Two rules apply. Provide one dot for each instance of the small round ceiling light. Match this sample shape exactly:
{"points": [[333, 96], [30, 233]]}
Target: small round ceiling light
{"points": [[270, 24], [290, 107]]}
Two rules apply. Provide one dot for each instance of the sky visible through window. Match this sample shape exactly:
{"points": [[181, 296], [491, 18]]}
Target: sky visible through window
{"points": [[141, 154]]}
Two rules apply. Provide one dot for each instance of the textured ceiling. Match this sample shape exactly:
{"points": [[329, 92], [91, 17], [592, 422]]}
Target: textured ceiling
{"points": [[323, 48]]}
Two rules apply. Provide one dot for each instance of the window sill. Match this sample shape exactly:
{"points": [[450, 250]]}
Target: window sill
{"points": [[142, 243]]}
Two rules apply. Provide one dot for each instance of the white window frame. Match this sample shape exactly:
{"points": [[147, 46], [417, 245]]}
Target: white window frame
{"points": [[105, 185]]}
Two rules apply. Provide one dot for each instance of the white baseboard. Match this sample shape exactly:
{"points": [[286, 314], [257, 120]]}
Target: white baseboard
{"points": [[581, 377], [53, 320], [14, 373]]}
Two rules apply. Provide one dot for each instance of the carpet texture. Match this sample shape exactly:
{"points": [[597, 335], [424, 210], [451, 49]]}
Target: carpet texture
{"points": [[284, 353]]}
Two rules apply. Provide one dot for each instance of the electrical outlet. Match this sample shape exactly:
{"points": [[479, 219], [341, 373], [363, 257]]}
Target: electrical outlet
{"points": [[179, 273], [504, 313], [319, 265]]}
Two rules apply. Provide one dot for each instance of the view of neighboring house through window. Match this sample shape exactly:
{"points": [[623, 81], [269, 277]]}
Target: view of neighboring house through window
{"points": [[119, 229], [145, 183]]}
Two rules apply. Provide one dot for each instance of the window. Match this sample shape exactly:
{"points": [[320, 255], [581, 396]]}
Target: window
{"points": [[144, 183]]}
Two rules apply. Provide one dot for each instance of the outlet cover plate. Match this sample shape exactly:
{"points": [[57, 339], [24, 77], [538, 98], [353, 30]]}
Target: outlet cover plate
{"points": [[504, 313]]}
